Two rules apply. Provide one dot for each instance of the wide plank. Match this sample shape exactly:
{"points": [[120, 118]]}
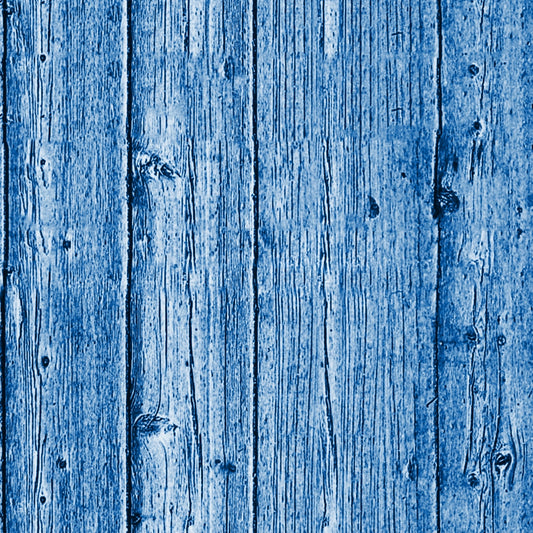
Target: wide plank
{"points": [[486, 283], [191, 292], [347, 266], [66, 266]]}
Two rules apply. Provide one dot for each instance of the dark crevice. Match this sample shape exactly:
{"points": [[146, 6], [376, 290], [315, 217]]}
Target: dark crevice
{"points": [[255, 361], [5, 264], [130, 518], [437, 214]]}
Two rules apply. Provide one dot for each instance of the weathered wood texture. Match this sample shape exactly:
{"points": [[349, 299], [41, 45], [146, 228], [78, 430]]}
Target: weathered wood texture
{"points": [[3, 240], [192, 266], [65, 323], [486, 291], [302, 230], [347, 265]]}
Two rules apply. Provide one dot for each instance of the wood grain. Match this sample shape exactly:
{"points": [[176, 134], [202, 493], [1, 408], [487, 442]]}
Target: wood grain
{"points": [[266, 266], [3, 236], [65, 320], [192, 266], [347, 118], [485, 313]]}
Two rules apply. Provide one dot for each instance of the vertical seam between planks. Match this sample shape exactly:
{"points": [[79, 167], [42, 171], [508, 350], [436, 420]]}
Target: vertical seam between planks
{"points": [[437, 215], [5, 269], [129, 187], [255, 361]]}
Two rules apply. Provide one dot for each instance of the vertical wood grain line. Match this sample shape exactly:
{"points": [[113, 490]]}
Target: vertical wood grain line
{"points": [[255, 362], [436, 214], [5, 261], [129, 189]]}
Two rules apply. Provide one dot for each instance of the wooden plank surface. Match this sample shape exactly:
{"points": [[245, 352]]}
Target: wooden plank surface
{"points": [[192, 266], [486, 289], [267, 266], [346, 96], [3, 234], [65, 320]]}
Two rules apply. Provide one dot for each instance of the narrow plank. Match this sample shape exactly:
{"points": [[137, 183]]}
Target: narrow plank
{"points": [[192, 266], [486, 289], [347, 265], [65, 292], [3, 233]]}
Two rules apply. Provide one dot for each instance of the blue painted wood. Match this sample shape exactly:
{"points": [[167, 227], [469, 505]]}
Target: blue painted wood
{"points": [[485, 320], [347, 266], [192, 266], [266, 266], [65, 321], [3, 233]]}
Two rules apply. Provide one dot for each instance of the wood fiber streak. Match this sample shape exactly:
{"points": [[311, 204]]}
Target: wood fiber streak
{"points": [[65, 313], [347, 265], [486, 319], [191, 315]]}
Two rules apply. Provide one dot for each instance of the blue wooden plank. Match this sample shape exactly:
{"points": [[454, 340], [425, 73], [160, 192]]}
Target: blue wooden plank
{"points": [[65, 321], [5, 256], [192, 266], [485, 318], [347, 265]]}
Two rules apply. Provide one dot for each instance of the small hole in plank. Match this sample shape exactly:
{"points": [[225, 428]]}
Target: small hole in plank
{"points": [[473, 69]]}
